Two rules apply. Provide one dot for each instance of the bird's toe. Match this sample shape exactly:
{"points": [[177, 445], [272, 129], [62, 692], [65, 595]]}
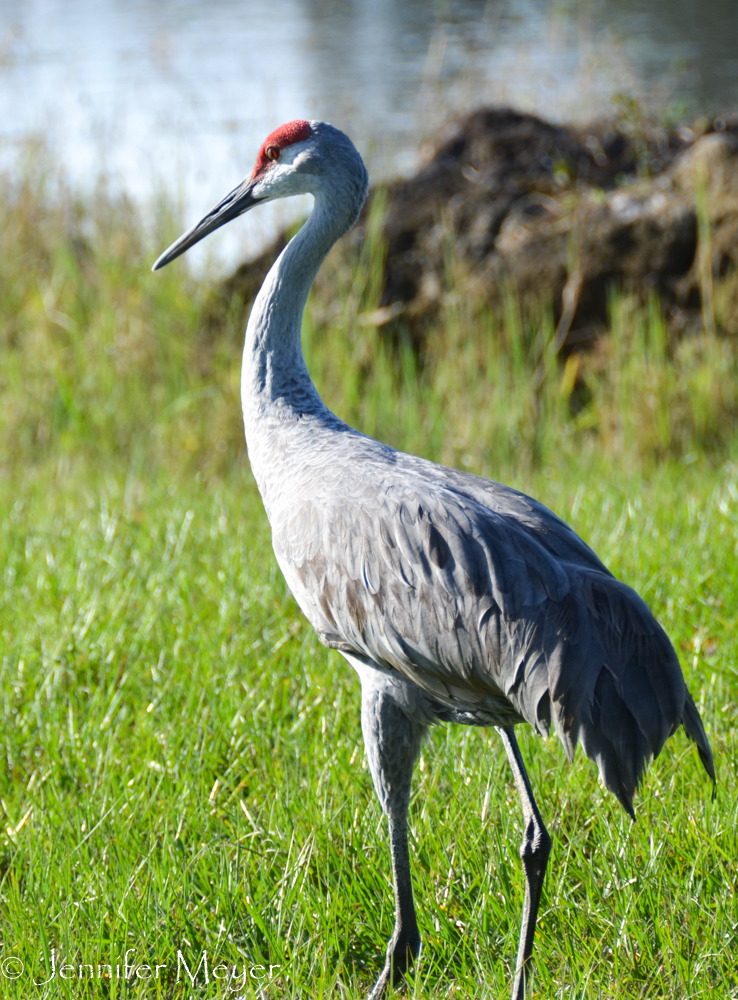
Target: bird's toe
{"points": [[401, 953]]}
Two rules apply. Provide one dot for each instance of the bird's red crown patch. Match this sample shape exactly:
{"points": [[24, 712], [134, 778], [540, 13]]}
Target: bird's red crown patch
{"points": [[280, 139]]}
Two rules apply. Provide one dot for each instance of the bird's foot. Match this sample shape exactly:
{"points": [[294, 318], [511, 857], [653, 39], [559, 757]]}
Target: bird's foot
{"points": [[401, 954]]}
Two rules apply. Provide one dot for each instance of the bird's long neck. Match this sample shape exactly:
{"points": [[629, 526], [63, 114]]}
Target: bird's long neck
{"points": [[274, 373], [277, 392]]}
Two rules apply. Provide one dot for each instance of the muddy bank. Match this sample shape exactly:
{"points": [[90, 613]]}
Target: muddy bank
{"points": [[560, 214]]}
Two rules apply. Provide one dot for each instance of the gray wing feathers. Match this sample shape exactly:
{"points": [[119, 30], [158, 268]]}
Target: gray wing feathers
{"points": [[496, 608]]}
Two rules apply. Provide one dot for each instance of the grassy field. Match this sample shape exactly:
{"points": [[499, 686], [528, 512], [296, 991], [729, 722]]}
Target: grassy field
{"points": [[183, 770]]}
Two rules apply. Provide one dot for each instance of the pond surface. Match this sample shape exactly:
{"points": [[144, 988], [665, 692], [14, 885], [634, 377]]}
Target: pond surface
{"points": [[179, 96]]}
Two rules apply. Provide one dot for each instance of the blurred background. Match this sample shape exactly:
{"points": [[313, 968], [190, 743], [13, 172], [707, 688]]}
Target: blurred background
{"points": [[177, 96]]}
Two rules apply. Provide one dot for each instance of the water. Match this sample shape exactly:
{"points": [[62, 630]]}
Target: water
{"points": [[163, 94]]}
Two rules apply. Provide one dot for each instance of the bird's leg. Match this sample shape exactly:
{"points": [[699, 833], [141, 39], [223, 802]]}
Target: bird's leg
{"points": [[404, 945], [392, 744], [534, 853]]}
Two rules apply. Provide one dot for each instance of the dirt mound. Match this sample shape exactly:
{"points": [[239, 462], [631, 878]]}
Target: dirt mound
{"points": [[506, 199]]}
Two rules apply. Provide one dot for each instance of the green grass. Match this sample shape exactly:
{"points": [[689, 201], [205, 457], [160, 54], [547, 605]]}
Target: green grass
{"points": [[182, 764]]}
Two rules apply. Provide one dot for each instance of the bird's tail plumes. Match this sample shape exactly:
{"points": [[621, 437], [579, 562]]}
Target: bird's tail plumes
{"points": [[613, 740], [632, 697], [695, 730]]}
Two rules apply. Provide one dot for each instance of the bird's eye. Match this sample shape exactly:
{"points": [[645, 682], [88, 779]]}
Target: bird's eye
{"points": [[272, 153]]}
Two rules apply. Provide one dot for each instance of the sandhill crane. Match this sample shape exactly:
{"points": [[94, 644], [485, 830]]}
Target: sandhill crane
{"points": [[454, 598]]}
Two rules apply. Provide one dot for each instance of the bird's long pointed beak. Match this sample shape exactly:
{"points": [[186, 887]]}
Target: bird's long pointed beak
{"points": [[240, 200]]}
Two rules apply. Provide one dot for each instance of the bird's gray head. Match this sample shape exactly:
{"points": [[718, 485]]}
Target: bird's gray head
{"points": [[300, 157]]}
